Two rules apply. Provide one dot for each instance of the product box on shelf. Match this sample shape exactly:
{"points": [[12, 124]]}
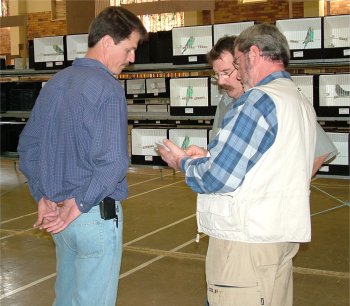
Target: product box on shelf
{"points": [[3, 96], [233, 28], [19, 96], [137, 108], [157, 87], [304, 36], [332, 95], [76, 46], [31, 54], [10, 129], [49, 53], [336, 37], [161, 47], [135, 88], [190, 97], [191, 44], [186, 137], [340, 165], [157, 108], [143, 53], [143, 145], [20, 63], [157, 49], [306, 84]]}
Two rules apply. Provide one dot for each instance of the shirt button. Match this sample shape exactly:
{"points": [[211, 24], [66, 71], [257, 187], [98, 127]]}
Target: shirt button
{"points": [[81, 205]]}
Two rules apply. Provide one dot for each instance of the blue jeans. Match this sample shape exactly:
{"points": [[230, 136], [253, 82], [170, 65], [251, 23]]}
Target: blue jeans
{"points": [[88, 254]]}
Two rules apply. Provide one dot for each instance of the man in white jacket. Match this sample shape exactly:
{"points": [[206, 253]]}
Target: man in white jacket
{"points": [[220, 58], [253, 182]]}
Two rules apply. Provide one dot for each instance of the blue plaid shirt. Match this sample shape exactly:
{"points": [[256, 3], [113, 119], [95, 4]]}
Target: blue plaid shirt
{"points": [[74, 144], [248, 130]]}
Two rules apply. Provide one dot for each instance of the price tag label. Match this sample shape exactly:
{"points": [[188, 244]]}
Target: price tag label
{"points": [[298, 54], [192, 59], [343, 111]]}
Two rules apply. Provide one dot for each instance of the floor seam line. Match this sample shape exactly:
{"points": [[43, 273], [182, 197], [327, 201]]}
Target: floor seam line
{"points": [[173, 254]]}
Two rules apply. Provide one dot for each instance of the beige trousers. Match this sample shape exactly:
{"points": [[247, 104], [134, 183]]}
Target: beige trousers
{"points": [[250, 274]]}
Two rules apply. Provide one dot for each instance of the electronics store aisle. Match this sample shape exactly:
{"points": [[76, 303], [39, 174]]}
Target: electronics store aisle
{"points": [[162, 264]]}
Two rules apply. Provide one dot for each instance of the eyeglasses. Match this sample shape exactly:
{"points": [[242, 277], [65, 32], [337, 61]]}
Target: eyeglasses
{"points": [[235, 64], [225, 75]]}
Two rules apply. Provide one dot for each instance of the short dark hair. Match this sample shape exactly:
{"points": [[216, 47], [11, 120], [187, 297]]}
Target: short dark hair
{"points": [[225, 43], [116, 22], [268, 38]]}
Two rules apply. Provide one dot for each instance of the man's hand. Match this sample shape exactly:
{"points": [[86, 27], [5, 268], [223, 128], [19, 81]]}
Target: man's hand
{"points": [[47, 211], [196, 152], [173, 155], [318, 162], [67, 211]]}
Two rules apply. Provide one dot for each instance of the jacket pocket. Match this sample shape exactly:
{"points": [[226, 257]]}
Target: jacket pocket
{"points": [[217, 212]]}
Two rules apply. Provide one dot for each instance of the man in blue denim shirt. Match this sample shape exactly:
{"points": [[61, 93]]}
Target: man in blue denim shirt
{"points": [[73, 150]]}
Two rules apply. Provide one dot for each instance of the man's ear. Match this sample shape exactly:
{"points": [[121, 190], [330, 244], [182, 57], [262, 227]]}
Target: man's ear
{"points": [[254, 54], [107, 41]]}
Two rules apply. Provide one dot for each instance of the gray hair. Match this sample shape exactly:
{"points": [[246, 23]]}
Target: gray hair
{"points": [[267, 37]]}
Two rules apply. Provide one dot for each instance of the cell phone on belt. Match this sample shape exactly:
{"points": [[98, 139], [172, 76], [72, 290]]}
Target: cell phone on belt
{"points": [[107, 209]]}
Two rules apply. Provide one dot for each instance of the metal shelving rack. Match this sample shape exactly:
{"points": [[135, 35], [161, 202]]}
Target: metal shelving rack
{"points": [[170, 70]]}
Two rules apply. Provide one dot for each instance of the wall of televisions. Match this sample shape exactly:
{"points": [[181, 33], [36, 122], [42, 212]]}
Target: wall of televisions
{"points": [[170, 93]]}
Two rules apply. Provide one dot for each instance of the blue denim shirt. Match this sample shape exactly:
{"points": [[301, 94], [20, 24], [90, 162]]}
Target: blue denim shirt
{"points": [[74, 144]]}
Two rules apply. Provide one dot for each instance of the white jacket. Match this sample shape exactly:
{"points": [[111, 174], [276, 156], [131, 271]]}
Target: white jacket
{"points": [[272, 204]]}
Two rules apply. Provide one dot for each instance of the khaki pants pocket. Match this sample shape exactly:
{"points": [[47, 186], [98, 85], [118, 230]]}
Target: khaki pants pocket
{"points": [[234, 296]]}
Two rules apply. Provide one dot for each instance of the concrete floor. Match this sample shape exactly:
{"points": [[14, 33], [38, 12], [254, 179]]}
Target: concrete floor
{"points": [[162, 264]]}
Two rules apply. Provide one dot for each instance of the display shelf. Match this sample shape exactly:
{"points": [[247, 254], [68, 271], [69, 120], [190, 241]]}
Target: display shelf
{"points": [[162, 69], [8, 79], [332, 119], [134, 117], [164, 119], [165, 116], [333, 176], [319, 66], [21, 72], [14, 114], [165, 67], [139, 71]]}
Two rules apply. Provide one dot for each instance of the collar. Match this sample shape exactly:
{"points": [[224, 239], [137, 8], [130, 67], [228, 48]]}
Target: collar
{"points": [[89, 62], [274, 76]]}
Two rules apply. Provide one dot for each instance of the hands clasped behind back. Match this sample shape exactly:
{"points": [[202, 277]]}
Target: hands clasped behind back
{"points": [[55, 217]]}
